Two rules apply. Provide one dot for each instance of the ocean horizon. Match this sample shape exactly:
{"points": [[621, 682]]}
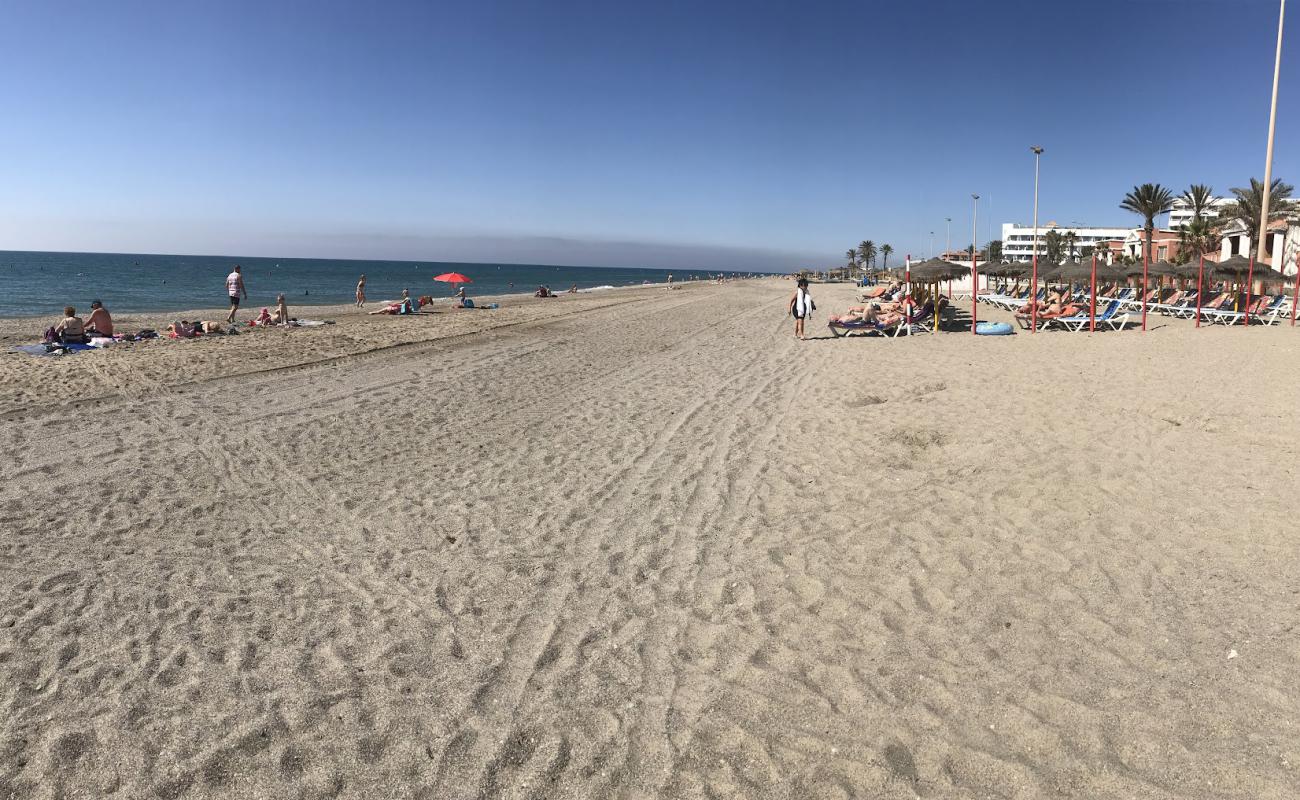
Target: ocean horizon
{"points": [[41, 283]]}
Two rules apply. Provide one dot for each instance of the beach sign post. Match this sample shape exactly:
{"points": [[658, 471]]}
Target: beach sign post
{"points": [[1092, 310], [974, 269], [1250, 280], [1200, 285], [1146, 264]]}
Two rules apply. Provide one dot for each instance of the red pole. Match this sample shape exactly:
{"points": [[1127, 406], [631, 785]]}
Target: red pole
{"points": [[1200, 283], [1295, 301], [974, 290], [1033, 293], [1092, 312], [1146, 264], [1250, 279]]}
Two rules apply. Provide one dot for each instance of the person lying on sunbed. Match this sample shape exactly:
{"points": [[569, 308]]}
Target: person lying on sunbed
{"points": [[864, 313]]}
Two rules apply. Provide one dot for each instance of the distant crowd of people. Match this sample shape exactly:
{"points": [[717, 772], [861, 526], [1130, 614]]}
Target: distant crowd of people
{"points": [[72, 329]]}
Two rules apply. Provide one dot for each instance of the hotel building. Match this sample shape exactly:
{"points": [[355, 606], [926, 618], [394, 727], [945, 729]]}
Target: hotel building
{"points": [[1018, 240]]}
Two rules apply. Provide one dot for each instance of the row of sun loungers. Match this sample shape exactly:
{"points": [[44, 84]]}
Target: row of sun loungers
{"points": [[1265, 310]]}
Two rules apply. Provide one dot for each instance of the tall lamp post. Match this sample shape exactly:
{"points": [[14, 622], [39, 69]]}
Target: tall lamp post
{"points": [[1033, 289], [929, 251], [948, 246], [974, 270], [1268, 166]]}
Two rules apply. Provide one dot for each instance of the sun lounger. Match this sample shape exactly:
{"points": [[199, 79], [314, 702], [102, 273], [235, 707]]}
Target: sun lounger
{"points": [[1111, 317]]}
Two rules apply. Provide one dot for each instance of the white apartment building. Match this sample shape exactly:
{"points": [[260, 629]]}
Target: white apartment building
{"points": [[1018, 240], [1182, 211]]}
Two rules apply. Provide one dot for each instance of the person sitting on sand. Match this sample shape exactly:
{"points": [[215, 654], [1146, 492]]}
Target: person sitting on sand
{"points": [[70, 330], [99, 323], [573, 289], [544, 291], [281, 314]]}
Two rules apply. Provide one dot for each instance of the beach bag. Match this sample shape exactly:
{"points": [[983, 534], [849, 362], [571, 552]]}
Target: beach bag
{"points": [[51, 336]]}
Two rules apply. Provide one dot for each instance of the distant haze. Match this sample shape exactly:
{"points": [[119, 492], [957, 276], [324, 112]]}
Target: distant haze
{"points": [[118, 237]]}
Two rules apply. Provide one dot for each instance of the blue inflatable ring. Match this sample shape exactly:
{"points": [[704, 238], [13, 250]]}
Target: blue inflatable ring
{"points": [[994, 329]]}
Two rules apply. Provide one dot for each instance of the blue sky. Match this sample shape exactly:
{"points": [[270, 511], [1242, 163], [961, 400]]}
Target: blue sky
{"points": [[658, 134]]}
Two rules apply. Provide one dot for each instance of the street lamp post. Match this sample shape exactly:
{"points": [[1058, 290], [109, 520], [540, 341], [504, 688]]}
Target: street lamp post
{"points": [[929, 251], [1268, 166], [1033, 289], [948, 246], [974, 270]]}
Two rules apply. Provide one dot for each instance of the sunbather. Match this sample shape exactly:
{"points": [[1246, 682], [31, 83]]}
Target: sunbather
{"points": [[184, 329], [99, 323], [281, 314], [403, 306], [70, 330], [865, 313]]}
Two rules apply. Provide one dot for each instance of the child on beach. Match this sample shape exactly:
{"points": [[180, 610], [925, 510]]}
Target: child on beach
{"points": [[801, 307]]}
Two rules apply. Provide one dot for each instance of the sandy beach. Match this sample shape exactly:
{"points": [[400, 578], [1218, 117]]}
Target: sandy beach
{"points": [[643, 543]]}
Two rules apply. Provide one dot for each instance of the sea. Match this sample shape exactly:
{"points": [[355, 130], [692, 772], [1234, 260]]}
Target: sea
{"points": [[40, 283]]}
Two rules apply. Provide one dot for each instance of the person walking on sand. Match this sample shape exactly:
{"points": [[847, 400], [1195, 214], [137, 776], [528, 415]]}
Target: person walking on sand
{"points": [[361, 292], [801, 307], [235, 287]]}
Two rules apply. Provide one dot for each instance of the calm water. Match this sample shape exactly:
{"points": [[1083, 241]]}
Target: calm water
{"points": [[42, 283]]}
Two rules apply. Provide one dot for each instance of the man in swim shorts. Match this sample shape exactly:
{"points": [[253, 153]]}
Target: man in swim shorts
{"points": [[235, 288]]}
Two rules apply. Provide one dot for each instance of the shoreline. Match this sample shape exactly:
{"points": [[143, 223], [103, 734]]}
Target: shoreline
{"points": [[21, 330], [490, 298]]}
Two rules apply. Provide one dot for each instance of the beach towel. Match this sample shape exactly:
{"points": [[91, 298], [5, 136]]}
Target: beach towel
{"points": [[50, 349], [803, 304]]}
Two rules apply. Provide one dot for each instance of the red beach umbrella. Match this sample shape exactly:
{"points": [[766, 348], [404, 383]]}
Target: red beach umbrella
{"points": [[452, 277]]}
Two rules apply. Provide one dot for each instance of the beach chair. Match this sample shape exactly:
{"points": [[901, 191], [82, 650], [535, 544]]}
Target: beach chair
{"points": [[1229, 317], [1111, 317], [855, 328], [1189, 311], [1272, 312]]}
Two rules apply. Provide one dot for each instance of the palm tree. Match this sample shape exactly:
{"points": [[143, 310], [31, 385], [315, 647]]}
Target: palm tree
{"points": [[867, 253], [1053, 243], [1070, 238], [852, 256], [1199, 197], [1200, 236], [1149, 200], [1246, 209], [885, 250], [994, 249]]}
